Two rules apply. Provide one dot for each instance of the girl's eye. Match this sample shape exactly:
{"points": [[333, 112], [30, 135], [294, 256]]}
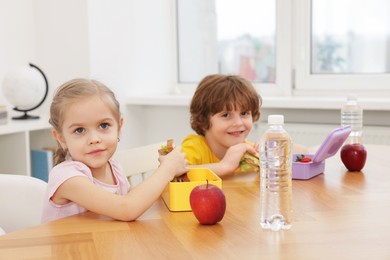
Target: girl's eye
{"points": [[246, 113], [104, 125], [79, 130]]}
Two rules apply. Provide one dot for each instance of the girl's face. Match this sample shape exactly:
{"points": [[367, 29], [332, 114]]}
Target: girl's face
{"points": [[228, 128], [90, 132]]}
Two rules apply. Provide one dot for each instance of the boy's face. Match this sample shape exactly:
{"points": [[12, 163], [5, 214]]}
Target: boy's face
{"points": [[90, 132], [228, 128]]}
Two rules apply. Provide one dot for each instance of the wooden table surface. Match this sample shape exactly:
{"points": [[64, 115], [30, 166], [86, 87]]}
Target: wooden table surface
{"points": [[337, 215]]}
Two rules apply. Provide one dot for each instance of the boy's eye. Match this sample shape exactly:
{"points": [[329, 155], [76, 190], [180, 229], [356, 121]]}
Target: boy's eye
{"points": [[104, 125], [225, 114], [246, 113], [79, 130]]}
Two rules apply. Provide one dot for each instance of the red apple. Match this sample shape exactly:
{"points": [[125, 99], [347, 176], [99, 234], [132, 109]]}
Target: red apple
{"points": [[208, 203], [353, 156]]}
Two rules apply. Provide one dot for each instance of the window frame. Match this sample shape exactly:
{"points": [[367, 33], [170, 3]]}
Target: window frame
{"points": [[282, 85], [338, 84], [293, 72]]}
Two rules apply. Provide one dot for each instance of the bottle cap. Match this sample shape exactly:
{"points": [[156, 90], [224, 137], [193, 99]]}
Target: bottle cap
{"points": [[352, 97], [275, 119]]}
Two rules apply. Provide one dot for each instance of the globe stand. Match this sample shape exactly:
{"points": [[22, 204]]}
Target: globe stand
{"points": [[27, 116]]}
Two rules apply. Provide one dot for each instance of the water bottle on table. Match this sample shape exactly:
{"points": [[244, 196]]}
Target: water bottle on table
{"points": [[352, 115], [276, 176]]}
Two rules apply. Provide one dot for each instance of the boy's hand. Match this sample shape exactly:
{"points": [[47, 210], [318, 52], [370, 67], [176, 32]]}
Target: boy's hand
{"points": [[234, 154], [249, 163]]}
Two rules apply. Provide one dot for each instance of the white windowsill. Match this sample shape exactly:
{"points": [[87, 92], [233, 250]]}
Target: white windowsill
{"points": [[322, 103]]}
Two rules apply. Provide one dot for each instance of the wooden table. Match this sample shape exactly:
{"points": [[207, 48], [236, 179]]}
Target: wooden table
{"points": [[337, 215]]}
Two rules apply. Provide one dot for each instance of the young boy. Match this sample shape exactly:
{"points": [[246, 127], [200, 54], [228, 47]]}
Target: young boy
{"points": [[223, 110]]}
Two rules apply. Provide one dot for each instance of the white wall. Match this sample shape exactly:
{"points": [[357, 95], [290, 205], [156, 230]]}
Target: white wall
{"points": [[131, 44], [132, 48], [127, 44], [17, 32], [50, 34]]}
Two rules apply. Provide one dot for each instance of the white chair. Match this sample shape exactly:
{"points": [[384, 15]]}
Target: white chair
{"points": [[139, 162], [21, 201], [2, 231]]}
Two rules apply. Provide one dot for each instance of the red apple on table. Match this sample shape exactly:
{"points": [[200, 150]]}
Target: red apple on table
{"points": [[353, 156], [208, 203]]}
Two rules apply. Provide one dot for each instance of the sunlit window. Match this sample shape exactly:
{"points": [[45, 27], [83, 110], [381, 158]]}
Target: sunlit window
{"points": [[226, 36], [350, 36], [298, 47]]}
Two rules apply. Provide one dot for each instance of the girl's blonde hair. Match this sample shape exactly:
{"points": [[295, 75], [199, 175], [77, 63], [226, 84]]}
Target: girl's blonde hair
{"points": [[218, 92], [72, 91]]}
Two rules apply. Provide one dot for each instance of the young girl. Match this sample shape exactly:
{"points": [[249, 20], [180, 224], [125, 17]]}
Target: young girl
{"points": [[86, 123], [223, 110]]}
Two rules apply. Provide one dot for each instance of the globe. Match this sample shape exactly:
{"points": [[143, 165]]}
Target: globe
{"points": [[25, 88]]}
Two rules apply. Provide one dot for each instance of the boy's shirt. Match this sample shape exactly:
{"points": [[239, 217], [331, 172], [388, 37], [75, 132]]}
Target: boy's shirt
{"points": [[197, 150]]}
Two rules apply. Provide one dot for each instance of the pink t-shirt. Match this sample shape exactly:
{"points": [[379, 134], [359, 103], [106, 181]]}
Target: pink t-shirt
{"points": [[68, 169]]}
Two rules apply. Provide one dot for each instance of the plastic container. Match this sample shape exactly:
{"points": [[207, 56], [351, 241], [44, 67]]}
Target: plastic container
{"points": [[352, 115], [275, 176], [176, 195], [330, 146]]}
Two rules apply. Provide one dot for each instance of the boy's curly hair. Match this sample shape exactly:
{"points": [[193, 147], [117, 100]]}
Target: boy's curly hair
{"points": [[218, 92]]}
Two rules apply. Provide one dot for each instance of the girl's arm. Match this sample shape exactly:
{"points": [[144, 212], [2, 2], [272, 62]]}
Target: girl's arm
{"points": [[128, 207]]}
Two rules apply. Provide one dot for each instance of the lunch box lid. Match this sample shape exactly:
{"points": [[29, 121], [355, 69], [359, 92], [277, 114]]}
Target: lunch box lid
{"points": [[332, 143]]}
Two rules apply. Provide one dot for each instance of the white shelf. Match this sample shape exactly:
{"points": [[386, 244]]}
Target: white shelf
{"points": [[17, 138], [17, 126]]}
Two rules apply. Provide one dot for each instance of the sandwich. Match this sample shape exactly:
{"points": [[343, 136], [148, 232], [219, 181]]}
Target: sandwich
{"points": [[249, 163], [166, 149]]}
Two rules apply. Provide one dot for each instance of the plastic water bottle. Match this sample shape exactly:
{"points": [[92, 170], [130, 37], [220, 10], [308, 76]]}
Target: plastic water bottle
{"points": [[352, 115], [276, 176]]}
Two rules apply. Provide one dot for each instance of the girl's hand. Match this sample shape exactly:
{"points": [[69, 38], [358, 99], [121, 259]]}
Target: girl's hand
{"points": [[175, 162]]}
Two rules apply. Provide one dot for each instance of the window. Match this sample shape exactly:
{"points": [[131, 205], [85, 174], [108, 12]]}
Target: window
{"points": [[232, 37], [350, 42], [299, 47], [342, 46]]}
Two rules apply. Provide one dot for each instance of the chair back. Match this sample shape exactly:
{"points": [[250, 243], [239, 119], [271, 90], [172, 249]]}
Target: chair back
{"points": [[21, 201], [139, 162]]}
